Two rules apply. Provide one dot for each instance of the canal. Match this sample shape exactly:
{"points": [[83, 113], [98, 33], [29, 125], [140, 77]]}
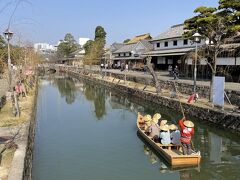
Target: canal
{"points": [[87, 132]]}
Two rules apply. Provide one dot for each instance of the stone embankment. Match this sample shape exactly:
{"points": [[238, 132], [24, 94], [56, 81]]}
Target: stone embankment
{"points": [[184, 88], [233, 93], [225, 119]]}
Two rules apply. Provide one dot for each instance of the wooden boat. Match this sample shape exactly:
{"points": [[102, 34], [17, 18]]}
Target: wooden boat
{"points": [[173, 156]]}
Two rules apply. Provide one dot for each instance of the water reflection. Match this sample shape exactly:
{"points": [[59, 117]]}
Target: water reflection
{"points": [[220, 149], [163, 166], [67, 88], [97, 96]]}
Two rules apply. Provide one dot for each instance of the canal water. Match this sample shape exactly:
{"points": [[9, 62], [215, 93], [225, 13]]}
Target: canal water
{"points": [[87, 132]]}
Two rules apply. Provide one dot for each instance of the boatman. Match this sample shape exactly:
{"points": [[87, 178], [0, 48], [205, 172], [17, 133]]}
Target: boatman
{"points": [[187, 131]]}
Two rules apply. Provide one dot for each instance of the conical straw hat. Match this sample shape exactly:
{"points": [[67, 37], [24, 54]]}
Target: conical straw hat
{"points": [[164, 128], [155, 120], [188, 124], [163, 122], [173, 127], [157, 116], [147, 118], [148, 123]]}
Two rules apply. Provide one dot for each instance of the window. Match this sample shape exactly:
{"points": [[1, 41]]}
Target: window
{"points": [[158, 45], [185, 42], [175, 43], [161, 60], [166, 44]]}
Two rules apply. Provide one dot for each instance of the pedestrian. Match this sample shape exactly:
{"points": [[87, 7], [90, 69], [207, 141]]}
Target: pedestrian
{"points": [[122, 67], [187, 131], [176, 73], [126, 66], [170, 70]]}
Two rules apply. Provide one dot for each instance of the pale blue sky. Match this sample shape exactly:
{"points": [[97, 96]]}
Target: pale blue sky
{"points": [[49, 20]]}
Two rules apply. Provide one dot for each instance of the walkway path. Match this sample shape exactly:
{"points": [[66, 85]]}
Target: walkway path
{"points": [[164, 76]]}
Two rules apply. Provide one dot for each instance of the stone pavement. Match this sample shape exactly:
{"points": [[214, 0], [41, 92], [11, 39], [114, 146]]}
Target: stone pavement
{"points": [[163, 75]]}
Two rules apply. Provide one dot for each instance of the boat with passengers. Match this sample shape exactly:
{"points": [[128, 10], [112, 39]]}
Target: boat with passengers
{"points": [[171, 153]]}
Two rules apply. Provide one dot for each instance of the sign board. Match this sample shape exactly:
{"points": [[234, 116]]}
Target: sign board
{"points": [[218, 90]]}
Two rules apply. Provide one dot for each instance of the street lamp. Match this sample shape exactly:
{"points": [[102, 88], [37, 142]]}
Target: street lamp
{"points": [[197, 39], [8, 36]]}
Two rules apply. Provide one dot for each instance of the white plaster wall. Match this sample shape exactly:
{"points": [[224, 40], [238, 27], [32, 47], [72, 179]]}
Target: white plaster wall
{"points": [[171, 46], [226, 61], [238, 61]]}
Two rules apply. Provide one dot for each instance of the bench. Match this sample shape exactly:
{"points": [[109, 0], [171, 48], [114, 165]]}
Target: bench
{"points": [[169, 146]]}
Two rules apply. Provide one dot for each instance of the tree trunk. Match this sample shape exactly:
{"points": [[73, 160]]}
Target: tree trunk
{"points": [[152, 72]]}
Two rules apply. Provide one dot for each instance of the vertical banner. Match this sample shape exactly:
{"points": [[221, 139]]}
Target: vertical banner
{"points": [[218, 90]]}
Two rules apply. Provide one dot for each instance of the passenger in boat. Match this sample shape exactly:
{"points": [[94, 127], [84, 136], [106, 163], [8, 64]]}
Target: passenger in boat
{"points": [[147, 123], [153, 130], [165, 135], [157, 116], [174, 134], [140, 119], [146, 127], [187, 131], [163, 122]]}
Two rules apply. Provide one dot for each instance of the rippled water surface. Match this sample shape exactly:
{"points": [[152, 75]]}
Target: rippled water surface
{"points": [[86, 132]]}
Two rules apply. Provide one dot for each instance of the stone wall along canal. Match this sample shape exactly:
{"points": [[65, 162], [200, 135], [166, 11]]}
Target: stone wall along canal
{"points": [[85, 131]]}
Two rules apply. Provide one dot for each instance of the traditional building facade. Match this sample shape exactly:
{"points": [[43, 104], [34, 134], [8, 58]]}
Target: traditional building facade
{"points": [[169, 48], [131, 53], [108, 56]]}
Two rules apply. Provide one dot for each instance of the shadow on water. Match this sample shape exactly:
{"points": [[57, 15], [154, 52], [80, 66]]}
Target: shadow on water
{"points": [[220, 149]]}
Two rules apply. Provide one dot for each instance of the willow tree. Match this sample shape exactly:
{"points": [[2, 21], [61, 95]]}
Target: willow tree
{"points": [[213, 25]]}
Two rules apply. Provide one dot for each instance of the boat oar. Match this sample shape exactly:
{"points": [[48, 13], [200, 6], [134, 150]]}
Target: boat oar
{"points": [[179, 99], [182, 110]]}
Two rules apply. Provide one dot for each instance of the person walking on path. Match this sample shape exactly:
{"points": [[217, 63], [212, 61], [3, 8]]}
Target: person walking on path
{"points": [[126, 66], [176, 73], [170, 70], [187, 131]]}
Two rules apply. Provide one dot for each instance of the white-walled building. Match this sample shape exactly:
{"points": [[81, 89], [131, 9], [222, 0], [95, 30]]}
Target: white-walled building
{"points": [[169, 47]]}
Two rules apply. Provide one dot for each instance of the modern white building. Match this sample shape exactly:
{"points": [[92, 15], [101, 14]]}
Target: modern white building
{"points": [[44, 48], [83, 41]]}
